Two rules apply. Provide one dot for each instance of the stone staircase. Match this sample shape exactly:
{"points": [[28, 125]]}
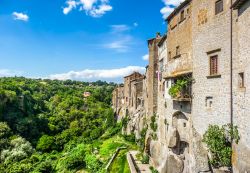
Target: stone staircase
{"points": [[135, 165]]}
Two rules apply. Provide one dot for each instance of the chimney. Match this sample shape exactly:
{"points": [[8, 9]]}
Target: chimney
{"points": [[158, 35]]}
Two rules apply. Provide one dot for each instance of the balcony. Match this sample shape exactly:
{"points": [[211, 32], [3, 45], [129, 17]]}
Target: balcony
{"points": [[181, 89]]}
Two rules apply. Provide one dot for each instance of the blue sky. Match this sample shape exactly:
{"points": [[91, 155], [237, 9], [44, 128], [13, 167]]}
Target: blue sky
{"points": [[78, 39]]}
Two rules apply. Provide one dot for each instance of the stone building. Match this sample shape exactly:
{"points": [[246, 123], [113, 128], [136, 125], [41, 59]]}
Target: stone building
{"points": [[174, 145], [241, 83], [205, 52], [128, 84], [118, 101], [152, 76]]}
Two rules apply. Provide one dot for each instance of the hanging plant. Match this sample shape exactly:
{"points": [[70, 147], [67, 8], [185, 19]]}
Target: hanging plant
{"points": [[176, 89]]}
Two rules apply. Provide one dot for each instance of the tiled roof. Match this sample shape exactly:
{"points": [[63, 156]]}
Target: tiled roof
{"points": [[176, 10]]}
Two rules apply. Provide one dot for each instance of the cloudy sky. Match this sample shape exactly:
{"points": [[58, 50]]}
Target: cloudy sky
{"points": [[78, 39]]}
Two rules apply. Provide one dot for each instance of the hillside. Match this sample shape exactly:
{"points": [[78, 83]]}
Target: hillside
{"points": [[56, 126]]}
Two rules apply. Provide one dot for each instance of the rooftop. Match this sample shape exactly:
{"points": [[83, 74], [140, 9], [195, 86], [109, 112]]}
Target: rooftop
{"points": [[177, 9]]}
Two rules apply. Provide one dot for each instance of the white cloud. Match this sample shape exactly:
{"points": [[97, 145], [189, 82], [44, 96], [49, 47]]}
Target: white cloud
{"points": [[119, 39], [135, 24], [119, 28], [101, 74], [120, 44], [71, 5], [100, 10], [145, 57], [94, 8], [169, 7], [20, 16], [8, 73]]}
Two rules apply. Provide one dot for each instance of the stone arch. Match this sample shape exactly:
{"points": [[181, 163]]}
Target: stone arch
{"points": [[180, 123], [120, 112]]}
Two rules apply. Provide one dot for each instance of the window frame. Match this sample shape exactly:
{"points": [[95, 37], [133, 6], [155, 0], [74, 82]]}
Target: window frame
{"points": [[241, 79], [177, 53], [214, 68], [218, 9], [169, 55], [182, 15]]}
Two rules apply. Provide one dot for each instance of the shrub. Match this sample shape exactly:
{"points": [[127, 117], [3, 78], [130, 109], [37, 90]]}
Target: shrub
{"points": [[45, 143], [125, 121], [218, 140], [153, 170], [145, 159], [19, 150], [141, 141], [73, 160], [153, 123], [130, 138]]}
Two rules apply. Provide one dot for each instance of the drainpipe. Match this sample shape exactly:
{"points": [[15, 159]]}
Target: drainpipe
{"points": [[231, 70]]}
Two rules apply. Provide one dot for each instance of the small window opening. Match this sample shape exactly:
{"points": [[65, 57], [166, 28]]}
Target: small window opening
{"points": [[241, 80], [177, 50], [182, 15]]}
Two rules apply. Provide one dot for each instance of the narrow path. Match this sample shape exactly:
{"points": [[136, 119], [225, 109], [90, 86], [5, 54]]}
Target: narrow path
{"points": [[134, 163]]}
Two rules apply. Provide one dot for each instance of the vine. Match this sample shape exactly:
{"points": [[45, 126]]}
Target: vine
{"points": [[153, 124]]}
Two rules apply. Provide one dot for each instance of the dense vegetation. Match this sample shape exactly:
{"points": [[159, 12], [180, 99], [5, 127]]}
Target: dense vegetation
{"points": [[48, 126]]}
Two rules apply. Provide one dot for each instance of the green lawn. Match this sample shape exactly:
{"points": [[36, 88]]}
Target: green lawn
{"points": [[120, 164]]}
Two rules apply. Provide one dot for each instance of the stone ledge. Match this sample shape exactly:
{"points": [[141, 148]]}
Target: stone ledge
{"points": [[214, 76]]}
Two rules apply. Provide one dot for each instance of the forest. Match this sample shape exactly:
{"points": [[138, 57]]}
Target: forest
{"points": [[50, 126]]}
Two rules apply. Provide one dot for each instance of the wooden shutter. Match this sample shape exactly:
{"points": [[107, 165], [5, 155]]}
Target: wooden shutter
{"points": [[213, 65], [218, 6]]}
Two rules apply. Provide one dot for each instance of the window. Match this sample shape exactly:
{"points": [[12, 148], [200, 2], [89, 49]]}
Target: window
{"points": [[188, 11], [182, 16], [218, 6], [214, 65], [161, 65], [177, 50], [209, 102], [241, 80], [169, 55]]}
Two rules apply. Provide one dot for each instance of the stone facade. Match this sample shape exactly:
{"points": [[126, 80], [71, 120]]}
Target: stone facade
{"points": [[152, 76], [118, 101], [209, 48], [241, 84]]}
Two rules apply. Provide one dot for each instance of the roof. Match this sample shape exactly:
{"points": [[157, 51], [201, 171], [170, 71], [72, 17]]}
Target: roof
{"points": [[133, 74], [162, 40], [178, 74], [238, 3], [177, 10]]}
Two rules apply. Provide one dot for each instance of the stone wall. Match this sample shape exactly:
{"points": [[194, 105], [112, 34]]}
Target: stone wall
{"points": [[211, 94], [199, 35], [241, 99]]}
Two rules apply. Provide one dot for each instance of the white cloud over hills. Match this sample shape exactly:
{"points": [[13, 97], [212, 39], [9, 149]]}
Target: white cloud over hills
{"points": [[169, 7], [94, 8], [99, 74], [9, 73]]}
